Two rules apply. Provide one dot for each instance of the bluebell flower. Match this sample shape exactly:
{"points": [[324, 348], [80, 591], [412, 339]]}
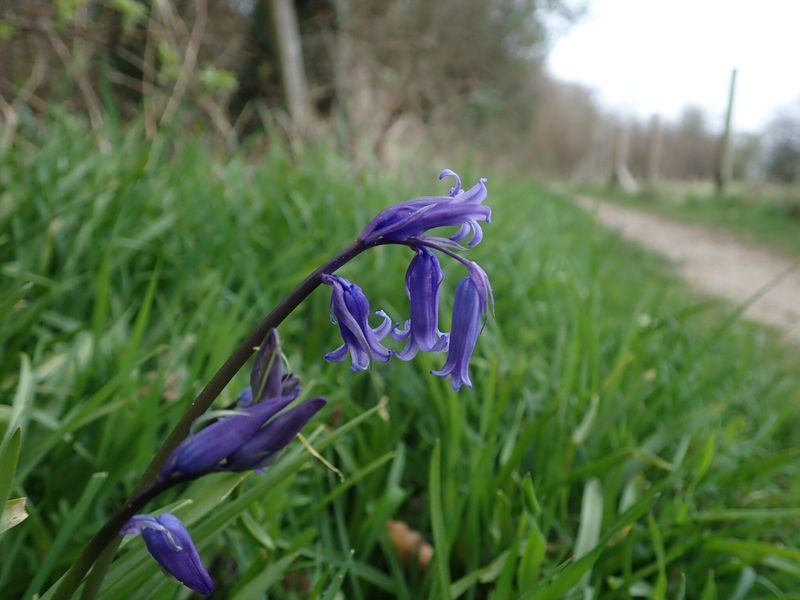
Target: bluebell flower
{"points": [[253, 427], [350, 310], [204, 451], [407, 220], [471, 305], [261, 449], [423, 279], [169, 542]]}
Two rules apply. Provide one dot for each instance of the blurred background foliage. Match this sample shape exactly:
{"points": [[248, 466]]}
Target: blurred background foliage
{"points": [[386, 78]]}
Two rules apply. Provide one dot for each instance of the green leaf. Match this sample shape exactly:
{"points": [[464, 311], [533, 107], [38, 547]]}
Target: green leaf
{"points": [[530, 563], [9, 456], [440, 544], [485, 574], [585, 427], [214, 79], [591, 520], [259, 585], [746, 582], [570, 573], [710, 588], [529, 496], [333, 589], [23, 398], [73, 520], [133, 12], [660, 589], [503, 588], [705, 460]]}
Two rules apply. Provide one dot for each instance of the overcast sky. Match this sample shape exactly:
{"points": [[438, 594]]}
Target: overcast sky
{"points": [[657, 56]]}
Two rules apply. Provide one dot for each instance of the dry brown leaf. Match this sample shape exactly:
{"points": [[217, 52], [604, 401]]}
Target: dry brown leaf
{"points": [[409, 544]]}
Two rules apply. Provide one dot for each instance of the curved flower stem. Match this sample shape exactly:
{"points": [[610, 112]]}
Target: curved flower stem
{"points": [[414, 242], [148, 487]]}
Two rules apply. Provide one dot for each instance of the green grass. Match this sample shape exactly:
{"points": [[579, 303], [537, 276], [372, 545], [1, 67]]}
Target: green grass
{"points": [[623, 437], [768, 215]]}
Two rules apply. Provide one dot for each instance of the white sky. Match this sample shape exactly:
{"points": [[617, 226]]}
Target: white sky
{"points": [[657, 56]]}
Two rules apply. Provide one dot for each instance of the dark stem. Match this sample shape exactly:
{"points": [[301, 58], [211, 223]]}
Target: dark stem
{"points": [[148, 487], [98, 573]]}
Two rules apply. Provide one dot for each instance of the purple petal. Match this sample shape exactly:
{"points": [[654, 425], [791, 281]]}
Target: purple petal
{"points": [[171, 545], [245, 398], [138, 523], [350, 310], [443, 344], [456, 189], [273, 437], [202, 452], [267, 371], [462, 232], [464, 334], [476, 194], [409, 352], [290, 384], [359, 358], [423, 280], [402, 334], [483, 287], [415, 217], [344, 306], [382, 330], [337, 355], [477, 234]]}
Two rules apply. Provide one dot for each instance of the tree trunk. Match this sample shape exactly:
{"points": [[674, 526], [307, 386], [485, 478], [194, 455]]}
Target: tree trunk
{"points": [[724, 167], [620, 175], [290, 52], [654, 152]]}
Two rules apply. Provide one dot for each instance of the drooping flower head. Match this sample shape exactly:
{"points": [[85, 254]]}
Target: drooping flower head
{"points": [[409, 223], [470, 307], [407, 220], [170, 544], [423, 279], [350, 310], [250, 435]]}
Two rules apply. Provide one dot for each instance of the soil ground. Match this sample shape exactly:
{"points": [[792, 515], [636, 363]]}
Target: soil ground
{"points": [[715, 263]]}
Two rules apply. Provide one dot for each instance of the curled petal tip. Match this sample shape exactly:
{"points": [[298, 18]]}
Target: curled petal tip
{"points": [[407, 220], [456, 189]]}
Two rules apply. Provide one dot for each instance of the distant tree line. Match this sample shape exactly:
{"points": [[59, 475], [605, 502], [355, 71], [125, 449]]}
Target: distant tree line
{"points": [[384, 77]]}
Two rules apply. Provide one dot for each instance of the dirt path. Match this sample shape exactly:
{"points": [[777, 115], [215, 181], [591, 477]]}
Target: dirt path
{"points": [[714, 263]]}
